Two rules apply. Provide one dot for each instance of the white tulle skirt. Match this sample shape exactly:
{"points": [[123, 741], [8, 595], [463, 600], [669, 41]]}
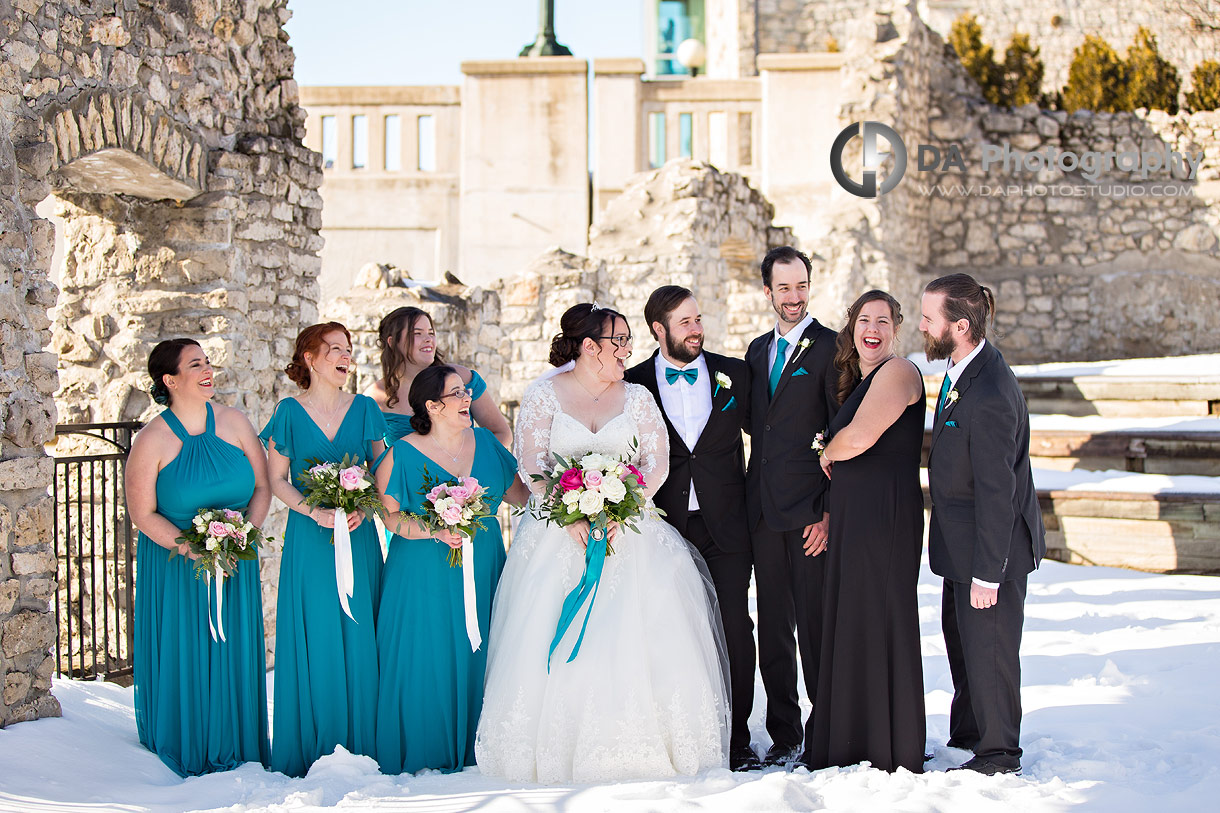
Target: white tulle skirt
{"points": [[646, 696]]}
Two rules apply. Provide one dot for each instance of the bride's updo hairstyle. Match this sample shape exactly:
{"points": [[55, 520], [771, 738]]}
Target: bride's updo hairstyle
{"points": [[429, 385], [584, 321]]}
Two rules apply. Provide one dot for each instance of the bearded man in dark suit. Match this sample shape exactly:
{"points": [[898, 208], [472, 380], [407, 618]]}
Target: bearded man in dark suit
{"points": [[985, 534], [704, 495]]}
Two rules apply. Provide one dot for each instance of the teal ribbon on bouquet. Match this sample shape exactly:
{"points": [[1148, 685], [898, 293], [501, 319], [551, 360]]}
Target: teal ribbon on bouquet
{"points": [[595, 559]]}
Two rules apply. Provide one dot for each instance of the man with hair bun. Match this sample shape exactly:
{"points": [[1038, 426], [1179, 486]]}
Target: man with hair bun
{"points": [[985, 535]]}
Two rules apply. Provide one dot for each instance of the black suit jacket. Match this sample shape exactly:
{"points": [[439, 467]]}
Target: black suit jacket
{"points": [[716, 464], [986, 523], [785, 484]]}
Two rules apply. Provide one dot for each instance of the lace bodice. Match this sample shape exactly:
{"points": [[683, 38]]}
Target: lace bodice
{"points": [[544, 430]]}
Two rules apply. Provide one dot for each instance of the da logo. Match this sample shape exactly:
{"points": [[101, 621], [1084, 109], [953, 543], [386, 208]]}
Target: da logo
{"points": [[869, 131]]}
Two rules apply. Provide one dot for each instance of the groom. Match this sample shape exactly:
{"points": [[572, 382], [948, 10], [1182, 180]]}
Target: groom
{"points": [[703, 497], [792, 398], [985, 534]]}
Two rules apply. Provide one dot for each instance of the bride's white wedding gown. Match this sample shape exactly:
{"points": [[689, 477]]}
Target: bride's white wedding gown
{"points": [[646, 696]]}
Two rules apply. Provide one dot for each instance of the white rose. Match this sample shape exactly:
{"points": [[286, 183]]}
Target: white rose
{"points": [[591, 503], [444, 502], [594, 461], [613, 490], [247, 528], [212, 544], [570, 498], [200, 523]]}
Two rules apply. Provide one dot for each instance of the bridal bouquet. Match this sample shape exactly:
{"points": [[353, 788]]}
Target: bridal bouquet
{"points": [[455, 506], [344, 487], [221, 538], [593, 487]]}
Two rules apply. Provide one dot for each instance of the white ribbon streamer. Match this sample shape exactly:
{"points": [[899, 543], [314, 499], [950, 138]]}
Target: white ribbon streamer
{"points": [[207, 577], [383, 536], [345, 577], [469, 599], [220, 586]]}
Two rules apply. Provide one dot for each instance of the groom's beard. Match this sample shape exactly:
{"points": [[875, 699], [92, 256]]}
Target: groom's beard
{"points": [[681, 351], [938, 347]]}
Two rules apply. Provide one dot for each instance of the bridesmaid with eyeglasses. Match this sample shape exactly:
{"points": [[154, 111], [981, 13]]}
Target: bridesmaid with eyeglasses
{"points": [[407, 339]]}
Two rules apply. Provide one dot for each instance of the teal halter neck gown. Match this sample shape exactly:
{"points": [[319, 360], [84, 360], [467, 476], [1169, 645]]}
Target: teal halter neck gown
{"points": [[201, 705], [325, 663]]}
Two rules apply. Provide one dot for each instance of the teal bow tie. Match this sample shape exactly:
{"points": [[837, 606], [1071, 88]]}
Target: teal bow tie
{"points": [[672, 374]]}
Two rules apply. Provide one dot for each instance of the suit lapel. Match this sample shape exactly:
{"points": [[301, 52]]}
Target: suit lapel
{"points": [[963, 384], [798, 355], [718, 399]]}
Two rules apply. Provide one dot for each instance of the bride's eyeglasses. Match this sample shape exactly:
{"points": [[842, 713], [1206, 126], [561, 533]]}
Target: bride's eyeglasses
{"points": [[621, 341]]}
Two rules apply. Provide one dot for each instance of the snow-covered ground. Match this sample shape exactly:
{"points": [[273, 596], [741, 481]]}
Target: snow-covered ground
{"points": [[1122, 713]]}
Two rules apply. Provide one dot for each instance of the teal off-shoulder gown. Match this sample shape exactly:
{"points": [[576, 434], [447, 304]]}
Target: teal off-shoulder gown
{"points": [[325, 663], [431, 689], [201, 705], [400, 425]]}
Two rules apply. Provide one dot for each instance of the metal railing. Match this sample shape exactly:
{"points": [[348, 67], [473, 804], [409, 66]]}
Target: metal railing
{"points": [[95, 551]]}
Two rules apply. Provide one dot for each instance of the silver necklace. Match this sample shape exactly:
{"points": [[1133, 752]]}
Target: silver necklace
{"points": [[453, 457], [595, 398], [333, 414]]}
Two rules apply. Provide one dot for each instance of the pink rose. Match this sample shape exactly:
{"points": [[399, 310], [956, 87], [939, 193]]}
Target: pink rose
{"points": [[460, 494], [452, 515], [571, 480], [320, 468], [233, 515], [436, 493], [352, 479], [470, 483], [639, 478], [593, 479], [218, 529]]}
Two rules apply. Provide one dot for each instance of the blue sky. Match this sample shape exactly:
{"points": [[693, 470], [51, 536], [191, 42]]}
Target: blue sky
{"points": [[424, 42]]}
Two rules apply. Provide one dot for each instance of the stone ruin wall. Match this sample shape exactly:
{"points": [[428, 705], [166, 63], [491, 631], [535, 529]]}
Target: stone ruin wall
{"points": [[168, 132], [1057, 27], [685, 224]]}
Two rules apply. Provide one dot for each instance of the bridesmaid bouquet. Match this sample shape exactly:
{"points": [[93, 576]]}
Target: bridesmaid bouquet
{"points": [[221, 538], [593, 487], [344, 487], [454, 506]]}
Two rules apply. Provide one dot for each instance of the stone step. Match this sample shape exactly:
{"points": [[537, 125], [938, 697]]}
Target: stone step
{"points": [[1135, 450], [1113, 396], [1157, 533]]}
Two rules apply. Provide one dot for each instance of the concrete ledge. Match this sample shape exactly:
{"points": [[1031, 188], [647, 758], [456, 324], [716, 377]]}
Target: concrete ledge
{"points": [[358, 95], [702, 90], [628, 65], [800, 62], [525, 66]]}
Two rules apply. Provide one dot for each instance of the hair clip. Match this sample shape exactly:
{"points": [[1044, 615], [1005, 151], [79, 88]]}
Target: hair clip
{"points": [[596, 307]]}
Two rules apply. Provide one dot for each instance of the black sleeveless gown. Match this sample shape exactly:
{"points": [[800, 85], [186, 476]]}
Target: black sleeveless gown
{"points": [[869, 703]]}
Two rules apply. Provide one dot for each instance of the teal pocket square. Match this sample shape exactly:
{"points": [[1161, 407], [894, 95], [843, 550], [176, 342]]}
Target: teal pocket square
{"points": [[951, 423], [800, 371], [732, 403]]}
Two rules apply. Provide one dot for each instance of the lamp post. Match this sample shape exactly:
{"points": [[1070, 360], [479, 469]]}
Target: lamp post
{"points": [[545, 44], [692, 55]]}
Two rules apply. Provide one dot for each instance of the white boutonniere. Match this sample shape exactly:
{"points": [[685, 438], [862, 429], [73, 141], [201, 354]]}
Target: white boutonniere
{"points": [[951, 397], [803, 344], [722, 382], [819, 443]]}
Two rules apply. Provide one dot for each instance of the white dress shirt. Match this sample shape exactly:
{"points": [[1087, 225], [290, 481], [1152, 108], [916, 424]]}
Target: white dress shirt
{"points": [[686, 405], [793, 336], [955, 373]]}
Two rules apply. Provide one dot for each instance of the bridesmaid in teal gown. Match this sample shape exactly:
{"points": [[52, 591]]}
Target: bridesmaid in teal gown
{"points": [[431, 688], [201, 704], [407, 339], [325, 662]]}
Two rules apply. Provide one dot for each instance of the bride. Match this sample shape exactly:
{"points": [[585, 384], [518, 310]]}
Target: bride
{"points": [[646, 695]]}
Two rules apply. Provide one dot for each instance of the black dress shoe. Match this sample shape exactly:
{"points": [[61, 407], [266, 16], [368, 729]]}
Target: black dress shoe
{"points": [[990, 766], [744, 759], [782, 755], [962, 744]]}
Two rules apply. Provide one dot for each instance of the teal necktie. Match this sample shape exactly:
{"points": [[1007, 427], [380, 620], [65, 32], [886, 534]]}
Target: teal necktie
{"points": [[777, 369], [672, 374], [944, 393]]}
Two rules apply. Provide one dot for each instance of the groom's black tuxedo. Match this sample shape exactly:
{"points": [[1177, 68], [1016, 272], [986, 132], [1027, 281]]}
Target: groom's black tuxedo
{"points": [[985, 524], [718, 530], [785, 487]]}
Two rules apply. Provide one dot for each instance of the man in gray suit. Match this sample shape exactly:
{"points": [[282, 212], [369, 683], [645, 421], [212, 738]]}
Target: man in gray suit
{"points": [[985, 535]]}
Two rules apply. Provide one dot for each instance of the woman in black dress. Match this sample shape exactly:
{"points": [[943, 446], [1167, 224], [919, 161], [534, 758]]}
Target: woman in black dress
{"points": [[869, 703]]}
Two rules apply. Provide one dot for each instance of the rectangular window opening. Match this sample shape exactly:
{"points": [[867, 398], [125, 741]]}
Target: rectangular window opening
{"points": [[426, 157], [393, 143], [360, 142]]}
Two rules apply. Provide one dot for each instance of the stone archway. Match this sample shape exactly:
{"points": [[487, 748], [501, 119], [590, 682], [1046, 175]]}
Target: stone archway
{"points": [[170, 133]]}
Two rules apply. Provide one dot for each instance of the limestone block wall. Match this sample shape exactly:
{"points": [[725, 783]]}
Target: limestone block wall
{"points": [[169, 132]]}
